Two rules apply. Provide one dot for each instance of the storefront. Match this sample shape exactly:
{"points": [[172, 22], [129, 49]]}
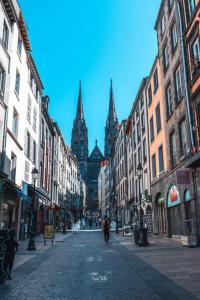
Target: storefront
{"points": [[174, 212]]}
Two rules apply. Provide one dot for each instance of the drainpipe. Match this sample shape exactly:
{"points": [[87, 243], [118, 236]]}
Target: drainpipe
{"points": [[185, 74]]}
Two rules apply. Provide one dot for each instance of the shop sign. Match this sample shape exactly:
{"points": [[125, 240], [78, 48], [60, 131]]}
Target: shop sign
{"points": [[183, 177], [173, 196], [49, 232]]}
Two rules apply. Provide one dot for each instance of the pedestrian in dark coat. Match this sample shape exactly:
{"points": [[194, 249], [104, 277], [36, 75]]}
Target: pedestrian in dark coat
{"points": [[106, 229], [9, 249]]}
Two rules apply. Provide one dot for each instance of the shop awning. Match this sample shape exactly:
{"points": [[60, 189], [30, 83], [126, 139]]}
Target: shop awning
{"points": [[11, 186], [23, 196], [40, 194]]}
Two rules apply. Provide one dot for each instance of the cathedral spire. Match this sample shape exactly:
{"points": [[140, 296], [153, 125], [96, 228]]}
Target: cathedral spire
{"points": [[79, 113], [112, 112], [111, 125]]}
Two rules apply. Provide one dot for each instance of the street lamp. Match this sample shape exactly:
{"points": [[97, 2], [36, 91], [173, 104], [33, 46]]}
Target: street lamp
{"points": [[31, 244], [139, 174]]}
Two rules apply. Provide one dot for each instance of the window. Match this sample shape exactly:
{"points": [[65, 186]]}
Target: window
{"points": [[19, 46], [170, 3], [35, 119], [158, 120], [144, 151], [138, 132], [149, 95], [182, 137], [142, 102], [28, 144], [26, 171], [196, 54], [151, 129], [142, 122], [5, 35], [165, 57], [15, 122], [155, 80], [13, 165], [174, 38], [153, 166], [42, 133], [191, 7], [162, 25], [34, 152], [17, 82], [160, 156], [29, 110], [169, 102], [172, 144], [134, 144], [135, 162], [196, 49], [178, 84], [2, 82], [139, 155]]}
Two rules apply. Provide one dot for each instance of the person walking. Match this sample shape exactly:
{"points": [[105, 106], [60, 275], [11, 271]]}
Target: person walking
{"points": [[106, 229], [9, 249]]}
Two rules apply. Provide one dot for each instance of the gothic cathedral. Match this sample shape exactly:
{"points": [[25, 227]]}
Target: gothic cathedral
{"points": [[90, 165]]}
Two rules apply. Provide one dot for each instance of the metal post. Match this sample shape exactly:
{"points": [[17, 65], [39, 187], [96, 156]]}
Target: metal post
{"points": [[64, 223], [31, 244]]}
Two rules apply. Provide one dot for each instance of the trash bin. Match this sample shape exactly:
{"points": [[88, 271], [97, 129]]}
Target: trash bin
{"points": [[136, 235]]}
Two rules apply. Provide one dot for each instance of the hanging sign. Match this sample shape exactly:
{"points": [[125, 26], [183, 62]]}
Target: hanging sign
{"points": [[173, 196]]}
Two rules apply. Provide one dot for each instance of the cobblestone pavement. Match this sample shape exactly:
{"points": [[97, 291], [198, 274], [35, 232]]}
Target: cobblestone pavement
{"points": [[180, 264], [84, 267]]}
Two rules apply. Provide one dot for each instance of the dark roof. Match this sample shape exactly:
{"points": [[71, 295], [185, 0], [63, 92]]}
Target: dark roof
{"points": [[96, 154]]}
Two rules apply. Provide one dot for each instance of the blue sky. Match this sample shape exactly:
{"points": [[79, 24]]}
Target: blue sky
{"points": [[92, 41]]}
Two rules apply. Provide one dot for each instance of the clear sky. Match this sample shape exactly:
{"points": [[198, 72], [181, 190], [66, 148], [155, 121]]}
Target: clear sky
{"points": [[92, 41]]}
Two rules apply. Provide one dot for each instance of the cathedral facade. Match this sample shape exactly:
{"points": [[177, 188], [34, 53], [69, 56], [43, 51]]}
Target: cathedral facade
{"points": [[90, 165]]}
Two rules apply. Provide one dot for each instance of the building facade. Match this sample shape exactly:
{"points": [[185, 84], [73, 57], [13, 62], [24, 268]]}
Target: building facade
{"points": [[157, 146]]}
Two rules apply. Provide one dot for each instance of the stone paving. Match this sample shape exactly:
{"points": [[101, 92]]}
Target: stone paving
{"points": [[84, 267], [169, 257], [23, 255]]}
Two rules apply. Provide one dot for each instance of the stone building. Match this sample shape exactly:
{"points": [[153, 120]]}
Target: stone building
{"points": [[177, 184], [157, 145]]}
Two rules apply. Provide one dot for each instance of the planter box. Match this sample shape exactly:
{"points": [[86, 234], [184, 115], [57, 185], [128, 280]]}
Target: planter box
{"points": [[189, 240]]}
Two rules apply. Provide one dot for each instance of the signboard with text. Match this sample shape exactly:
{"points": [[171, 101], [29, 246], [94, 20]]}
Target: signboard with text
{"points": [[183, 177]]}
